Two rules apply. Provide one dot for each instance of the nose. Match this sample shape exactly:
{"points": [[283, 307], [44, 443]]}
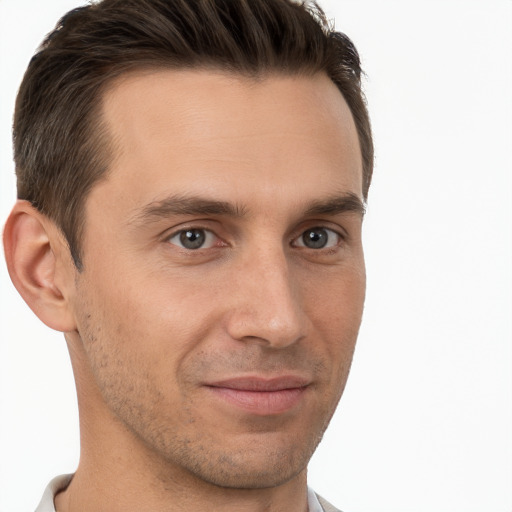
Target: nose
{"points": [[266, 306]]}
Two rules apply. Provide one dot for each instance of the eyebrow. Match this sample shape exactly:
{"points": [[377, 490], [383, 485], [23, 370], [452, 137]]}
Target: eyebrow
{"points": [[342, 203], [186, 205], [194, 205]]}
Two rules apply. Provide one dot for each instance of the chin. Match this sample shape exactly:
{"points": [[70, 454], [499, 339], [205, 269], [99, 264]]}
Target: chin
{"points": [[257, 467], [249, 477]]}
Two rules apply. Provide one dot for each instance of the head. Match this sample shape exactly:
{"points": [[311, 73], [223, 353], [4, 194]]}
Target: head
{"points": [[201, 188], [61, 147]]}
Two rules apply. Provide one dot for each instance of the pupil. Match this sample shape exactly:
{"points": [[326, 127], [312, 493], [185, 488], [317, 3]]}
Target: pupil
{"points": [[192, 238], [315, 238]]}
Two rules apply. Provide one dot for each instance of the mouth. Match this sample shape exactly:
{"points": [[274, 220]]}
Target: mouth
{"points": [[261, 396]]}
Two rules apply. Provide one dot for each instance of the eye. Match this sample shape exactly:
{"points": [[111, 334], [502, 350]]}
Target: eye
{"points": [[318, 238], [192, 239]]}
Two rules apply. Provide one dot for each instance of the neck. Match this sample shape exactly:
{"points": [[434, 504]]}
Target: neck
{"points": [[93, 492]]}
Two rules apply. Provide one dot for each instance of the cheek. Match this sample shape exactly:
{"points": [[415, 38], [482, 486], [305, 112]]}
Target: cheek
{"points": [[148, 327], [335, 302], [335, 308], [130, 352]]}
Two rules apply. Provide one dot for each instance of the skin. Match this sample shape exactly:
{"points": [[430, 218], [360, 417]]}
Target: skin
{"points": [[153, 327]]}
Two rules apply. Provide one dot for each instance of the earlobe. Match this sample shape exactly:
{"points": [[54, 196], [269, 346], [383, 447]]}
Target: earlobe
{"points": [[35, 255]]}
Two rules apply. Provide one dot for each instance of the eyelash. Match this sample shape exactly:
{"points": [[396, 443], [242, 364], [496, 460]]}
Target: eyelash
{"points": [[299, 242], [209, 235], [338, 238]]}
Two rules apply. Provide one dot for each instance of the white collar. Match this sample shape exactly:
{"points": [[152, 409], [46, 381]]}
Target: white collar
{"points": [[59, 483]]}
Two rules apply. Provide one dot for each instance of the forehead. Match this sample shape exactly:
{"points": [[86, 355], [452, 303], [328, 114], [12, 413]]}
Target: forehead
{"points": [[201, 129]]}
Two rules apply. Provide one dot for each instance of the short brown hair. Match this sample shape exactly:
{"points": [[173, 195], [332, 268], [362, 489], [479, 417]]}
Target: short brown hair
{"points": [[60, 144]]}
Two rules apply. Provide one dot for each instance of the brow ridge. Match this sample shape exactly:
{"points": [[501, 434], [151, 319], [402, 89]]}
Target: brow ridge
{"points": [[195, 205], [187, 205], [347, 202]]}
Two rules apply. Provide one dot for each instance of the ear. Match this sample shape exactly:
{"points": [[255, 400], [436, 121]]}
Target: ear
{"points": [[40, 266]]}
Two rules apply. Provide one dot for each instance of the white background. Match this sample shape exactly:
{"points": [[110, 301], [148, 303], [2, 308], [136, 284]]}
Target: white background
{"points": [[426, 420]]}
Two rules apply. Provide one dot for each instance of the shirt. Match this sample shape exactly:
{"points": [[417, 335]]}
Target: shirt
{"points": [[60, 483]]}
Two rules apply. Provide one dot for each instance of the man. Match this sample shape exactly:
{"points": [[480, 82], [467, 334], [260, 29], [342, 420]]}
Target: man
{"points": [[192, 179]]}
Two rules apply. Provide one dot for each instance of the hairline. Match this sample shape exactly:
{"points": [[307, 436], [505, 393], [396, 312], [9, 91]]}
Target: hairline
{"points": [[104, 141]]}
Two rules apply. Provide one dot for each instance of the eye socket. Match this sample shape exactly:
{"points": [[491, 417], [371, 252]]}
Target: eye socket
{"points": [[193, 239], [198, 238], [318, 238]]}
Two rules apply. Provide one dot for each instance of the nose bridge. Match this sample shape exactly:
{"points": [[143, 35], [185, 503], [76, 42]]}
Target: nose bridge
{"points": [[268, 303]]}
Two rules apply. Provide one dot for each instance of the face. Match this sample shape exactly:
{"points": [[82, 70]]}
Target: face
{"points": [[223, 280]]}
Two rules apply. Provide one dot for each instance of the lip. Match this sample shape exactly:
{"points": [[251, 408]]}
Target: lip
{"points": [[261, 396]]}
